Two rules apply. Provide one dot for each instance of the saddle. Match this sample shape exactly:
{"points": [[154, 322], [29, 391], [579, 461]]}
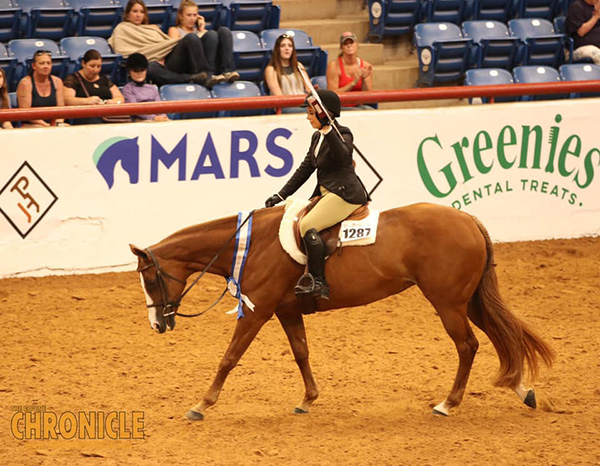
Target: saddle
{"points": [[329, 235]]}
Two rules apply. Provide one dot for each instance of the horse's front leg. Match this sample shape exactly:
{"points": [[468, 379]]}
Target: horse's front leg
{"points": [[293, 325], [245, 330]]}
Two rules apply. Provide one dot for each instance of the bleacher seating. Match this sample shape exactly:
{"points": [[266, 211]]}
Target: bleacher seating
{"points": [[537, 74], [186, 92], [47, 19], [580, 72], [24, 49], [96, 17], [494, 47], [252, 15], [308, 54], [75, 48], [443, 52], [545, 9], [490, 77], [236, 90], [392, 17], [9, 65], [250, 56], [446, 11], [10, 20], [12, 97], [498, 10], [540, 45]]}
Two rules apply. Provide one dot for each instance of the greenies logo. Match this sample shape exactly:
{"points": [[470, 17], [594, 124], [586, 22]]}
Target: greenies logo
{"points": [[529, 153]]}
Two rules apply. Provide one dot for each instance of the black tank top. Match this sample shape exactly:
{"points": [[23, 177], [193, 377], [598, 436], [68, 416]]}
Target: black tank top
{"points": [[39, 101]]}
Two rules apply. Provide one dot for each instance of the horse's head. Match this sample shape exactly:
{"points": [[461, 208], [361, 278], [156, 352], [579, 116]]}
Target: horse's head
{"points": [[162, 282]]}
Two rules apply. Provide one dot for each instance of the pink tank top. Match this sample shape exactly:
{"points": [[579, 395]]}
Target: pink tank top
{"points": [[345, 79]]}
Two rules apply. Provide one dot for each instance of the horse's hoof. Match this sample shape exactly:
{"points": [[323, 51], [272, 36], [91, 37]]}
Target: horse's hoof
{"points": [[439, 413], [194, 415], [530, 399], [300, 411]]}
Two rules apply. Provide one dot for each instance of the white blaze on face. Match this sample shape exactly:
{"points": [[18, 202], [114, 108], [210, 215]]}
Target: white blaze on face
{"points": [[151, 310]]}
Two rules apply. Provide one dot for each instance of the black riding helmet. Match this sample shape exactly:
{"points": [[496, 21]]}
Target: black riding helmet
{"points": [[136, 62], [330, 101]]}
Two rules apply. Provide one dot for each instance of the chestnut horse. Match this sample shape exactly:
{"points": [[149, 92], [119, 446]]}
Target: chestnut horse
{"points": [[448, 254]]}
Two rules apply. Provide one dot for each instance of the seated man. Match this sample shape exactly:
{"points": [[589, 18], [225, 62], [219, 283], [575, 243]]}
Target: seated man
{"points": [[582, 25]]}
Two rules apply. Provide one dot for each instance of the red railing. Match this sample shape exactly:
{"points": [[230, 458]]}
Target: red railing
{"points": [[434, 93]]}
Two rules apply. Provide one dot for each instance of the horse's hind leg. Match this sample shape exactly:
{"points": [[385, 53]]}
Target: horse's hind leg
{"points": [[245, 331], [293, 325], [457, 326]]}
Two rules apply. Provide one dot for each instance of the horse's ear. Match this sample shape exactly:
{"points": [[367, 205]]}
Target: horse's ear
{"points": [[138, 251]]}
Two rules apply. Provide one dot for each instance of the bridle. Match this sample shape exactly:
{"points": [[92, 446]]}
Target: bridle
{"points": [[168, 307]]}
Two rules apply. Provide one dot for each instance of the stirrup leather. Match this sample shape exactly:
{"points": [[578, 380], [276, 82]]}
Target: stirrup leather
{"points": [[308, 285]]}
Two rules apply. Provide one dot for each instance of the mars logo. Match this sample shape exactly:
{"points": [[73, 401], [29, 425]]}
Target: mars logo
{"points": [[25, 199], [244, 155], [114, 150]]}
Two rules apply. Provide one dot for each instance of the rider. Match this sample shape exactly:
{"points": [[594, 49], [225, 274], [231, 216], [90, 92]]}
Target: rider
{"points": [[341, 190]]}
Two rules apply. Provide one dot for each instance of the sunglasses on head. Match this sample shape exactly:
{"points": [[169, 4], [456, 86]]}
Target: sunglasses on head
{"points": [[42, 52], [286, 36]]}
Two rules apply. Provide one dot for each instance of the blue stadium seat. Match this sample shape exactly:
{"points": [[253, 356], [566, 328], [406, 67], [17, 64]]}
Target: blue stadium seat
{"points": [[234, 91], [12, 97], [545, 9], [252, 15], [393, 17], [580, 72], [249, 55], [498, 10], [10, 20], [48, 19], [443, 52], [214, 13], [320, 80], [540, 44], [186, 92], [159, 13], [446, 11], [537, 74], [75, 48], [308, 54], [9, 65], [494, 47], [490, 77], [24, 49], [95, 17]]}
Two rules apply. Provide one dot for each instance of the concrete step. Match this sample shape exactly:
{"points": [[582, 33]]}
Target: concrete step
{"points": [[297, 10], [373, 53], [397, 48], [396, 75], [328, 31], [352, 7]]}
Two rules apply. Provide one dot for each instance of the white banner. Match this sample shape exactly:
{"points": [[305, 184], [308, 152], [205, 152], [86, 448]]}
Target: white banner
{"points": [[73, 198]]}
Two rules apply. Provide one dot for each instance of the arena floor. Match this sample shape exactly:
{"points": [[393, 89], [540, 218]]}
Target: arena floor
{"points": [[83, 343]]}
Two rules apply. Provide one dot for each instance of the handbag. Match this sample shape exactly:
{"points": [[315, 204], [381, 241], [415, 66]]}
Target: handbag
{"points": [[105, 119]]}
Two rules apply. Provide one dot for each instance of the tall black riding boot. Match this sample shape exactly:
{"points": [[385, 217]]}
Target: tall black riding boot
{"points": [[313, 283]]}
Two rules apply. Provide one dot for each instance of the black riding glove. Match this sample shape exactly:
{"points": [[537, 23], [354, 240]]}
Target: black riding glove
{"points": [[273, 200]]}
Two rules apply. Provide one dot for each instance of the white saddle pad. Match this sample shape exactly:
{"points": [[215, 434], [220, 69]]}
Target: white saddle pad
{"points": [[352, 232]]}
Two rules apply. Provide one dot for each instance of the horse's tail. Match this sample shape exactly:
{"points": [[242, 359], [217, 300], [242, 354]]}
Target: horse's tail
{"points": [[514, 341]]}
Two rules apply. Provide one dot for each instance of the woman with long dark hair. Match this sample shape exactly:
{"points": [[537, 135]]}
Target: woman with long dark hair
{"points": [[282, 75], [4, 100]]}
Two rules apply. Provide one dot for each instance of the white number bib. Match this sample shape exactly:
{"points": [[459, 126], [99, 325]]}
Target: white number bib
{"points": [[360, 231]]}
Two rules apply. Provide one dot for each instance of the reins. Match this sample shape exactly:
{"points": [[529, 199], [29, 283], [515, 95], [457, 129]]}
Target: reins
{"points": [[168, 305]]}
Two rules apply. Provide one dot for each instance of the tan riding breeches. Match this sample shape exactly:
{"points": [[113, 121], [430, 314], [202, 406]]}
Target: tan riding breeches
{"points": [[330, 210]]}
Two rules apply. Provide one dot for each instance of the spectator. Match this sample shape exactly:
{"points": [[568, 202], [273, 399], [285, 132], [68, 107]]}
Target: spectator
{"points": [[137, 89], [4, 100], [350, 73], [282, 75], [218, 45], [88, 87], [41, 89], [583, 26], [172, 61]]}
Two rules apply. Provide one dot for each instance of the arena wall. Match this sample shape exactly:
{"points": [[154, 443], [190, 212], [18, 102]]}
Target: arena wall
{"points": [[74, 198]]}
